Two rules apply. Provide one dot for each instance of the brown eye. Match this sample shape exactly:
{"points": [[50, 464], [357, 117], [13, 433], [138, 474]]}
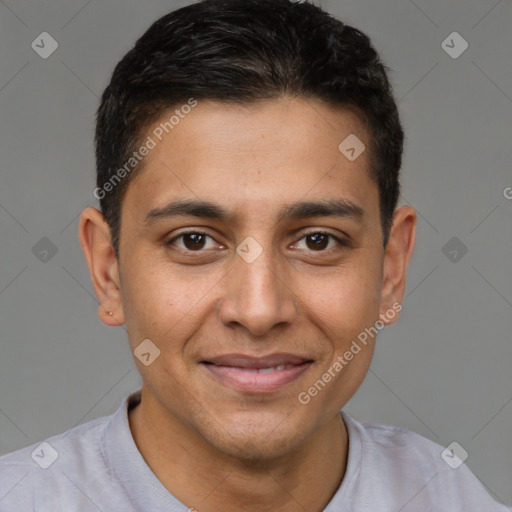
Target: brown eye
{"points": [[193, 241], [317, 241]]}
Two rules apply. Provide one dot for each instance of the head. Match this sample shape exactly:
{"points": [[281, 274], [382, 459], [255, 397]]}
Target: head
{"points": [[239, 230]]}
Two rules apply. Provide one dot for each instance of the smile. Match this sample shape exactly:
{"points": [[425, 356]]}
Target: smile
{"points": [[257, 375]]}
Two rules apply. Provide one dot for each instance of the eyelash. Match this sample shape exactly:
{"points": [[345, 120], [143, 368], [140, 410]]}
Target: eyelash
{"points": [[340, 242]]}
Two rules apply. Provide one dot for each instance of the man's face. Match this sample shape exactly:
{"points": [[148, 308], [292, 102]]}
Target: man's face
{"points": [[218, 316]]}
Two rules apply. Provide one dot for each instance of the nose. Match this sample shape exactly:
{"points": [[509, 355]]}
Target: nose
{"points": [[258, 295]]}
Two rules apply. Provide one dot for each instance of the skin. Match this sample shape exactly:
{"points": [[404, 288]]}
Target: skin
{"points": [[212, 446]]}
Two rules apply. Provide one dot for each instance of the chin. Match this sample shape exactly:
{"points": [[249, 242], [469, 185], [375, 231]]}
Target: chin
{"points": [[255, 448], [256, 437]]}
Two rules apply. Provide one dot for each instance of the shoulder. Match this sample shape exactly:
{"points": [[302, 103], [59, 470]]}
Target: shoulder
{"points": [[383, 441], [412, 471], [44, 471], [43, 454]]}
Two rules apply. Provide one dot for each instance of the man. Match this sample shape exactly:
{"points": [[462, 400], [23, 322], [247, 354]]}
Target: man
{"points": [[248, 154]]}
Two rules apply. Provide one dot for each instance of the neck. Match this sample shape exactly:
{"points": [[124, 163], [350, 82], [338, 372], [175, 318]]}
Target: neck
{"points": [[207, 480]]}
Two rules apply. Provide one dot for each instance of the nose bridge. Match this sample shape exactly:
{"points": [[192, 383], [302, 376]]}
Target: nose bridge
{"points": [[260, 277], [256, 295]]}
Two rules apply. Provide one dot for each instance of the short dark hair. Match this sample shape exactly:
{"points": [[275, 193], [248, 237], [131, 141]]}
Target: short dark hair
{"points": [[243, 51]]}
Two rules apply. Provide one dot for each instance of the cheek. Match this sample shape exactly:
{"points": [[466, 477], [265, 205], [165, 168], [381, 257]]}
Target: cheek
{"points": [[149, 299], [162, 305], [345, 315], [347, 301]]}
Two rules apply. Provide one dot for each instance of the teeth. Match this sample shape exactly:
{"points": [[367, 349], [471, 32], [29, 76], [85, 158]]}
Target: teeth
{"points": [[272, 369]]}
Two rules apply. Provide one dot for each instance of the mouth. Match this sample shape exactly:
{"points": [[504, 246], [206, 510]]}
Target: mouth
{"points": [[257, 374]]}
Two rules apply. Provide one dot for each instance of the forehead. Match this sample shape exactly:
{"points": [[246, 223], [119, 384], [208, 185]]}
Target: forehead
{"points": [[255, 155]]}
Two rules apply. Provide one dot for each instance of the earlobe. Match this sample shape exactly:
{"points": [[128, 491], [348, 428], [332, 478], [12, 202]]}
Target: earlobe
{"points": [[397, 256], [95, 239]]}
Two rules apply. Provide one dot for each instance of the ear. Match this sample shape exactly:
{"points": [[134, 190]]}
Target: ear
{"points": [[397, 255], [95, 239]]}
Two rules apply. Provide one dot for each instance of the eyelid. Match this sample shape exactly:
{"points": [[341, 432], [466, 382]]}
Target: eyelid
{"points": [[323, 231]]}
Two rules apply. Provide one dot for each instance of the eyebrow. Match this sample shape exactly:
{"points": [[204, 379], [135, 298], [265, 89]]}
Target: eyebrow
{"points": [[306, 209]]}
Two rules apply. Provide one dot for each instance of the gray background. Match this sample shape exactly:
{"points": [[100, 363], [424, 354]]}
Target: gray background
{"points": [[442, 371]]}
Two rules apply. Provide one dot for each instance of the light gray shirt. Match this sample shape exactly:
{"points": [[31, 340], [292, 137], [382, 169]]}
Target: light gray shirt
{"points": [[97, 467]]}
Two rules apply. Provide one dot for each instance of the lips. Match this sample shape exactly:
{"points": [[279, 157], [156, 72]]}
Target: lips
{"points": [[257, 374]]}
